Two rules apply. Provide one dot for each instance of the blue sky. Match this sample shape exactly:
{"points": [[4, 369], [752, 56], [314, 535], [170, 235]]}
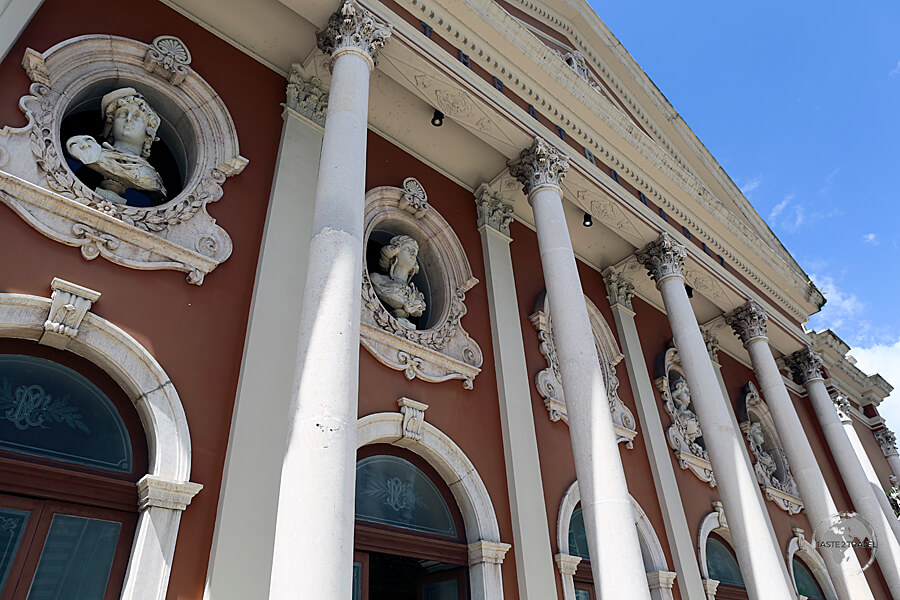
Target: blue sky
{"points": [[800, 103]]}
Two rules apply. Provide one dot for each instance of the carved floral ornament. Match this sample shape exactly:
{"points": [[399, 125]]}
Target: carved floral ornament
{"points": [[805, 364], [37, 182], [663, 258], [748, 322], [773, 473], [538, 166], [549, 382], [684, 434], [436, 347]]}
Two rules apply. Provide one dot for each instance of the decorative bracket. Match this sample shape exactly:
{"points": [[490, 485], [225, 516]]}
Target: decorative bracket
{"points": [[68, 305], [413, 421]]}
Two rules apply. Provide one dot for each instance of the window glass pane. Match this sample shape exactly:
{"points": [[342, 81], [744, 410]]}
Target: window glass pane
{"points": [[721, 563], [582, 595], [393, 491], [357, 581], [578, 545], [12, 526], [444, 590], [49, 410], [806, 582], [75, 560]]}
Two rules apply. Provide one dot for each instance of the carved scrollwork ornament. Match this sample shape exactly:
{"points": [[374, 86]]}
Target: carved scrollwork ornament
{"points": [[549, 380], [806, 365], [748, 322], [888, 441], [492, 210], [169, 57], [352, 27], [663, 258], [684, 434], [539, 165]]}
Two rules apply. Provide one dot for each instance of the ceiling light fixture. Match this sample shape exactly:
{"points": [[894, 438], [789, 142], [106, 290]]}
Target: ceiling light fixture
{"points": [[588, 220], [438, 119]]}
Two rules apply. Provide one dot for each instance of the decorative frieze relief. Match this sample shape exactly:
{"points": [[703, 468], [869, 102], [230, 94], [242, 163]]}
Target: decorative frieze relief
{"points": [[307, 95], [888, 441], [684, 434], [549, 381], [68, 305], [663, 258], [353, 28], [417, 331], [539, 165], [38, 183], [773, 473]]}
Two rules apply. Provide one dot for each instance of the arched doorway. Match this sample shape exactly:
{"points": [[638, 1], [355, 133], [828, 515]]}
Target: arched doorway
{"points": [[71, 451], [409, 541]]}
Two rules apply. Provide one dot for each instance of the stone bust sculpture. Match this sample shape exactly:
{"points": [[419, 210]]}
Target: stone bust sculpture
{"points": [[686, 417], [757, 440], [131, 126], [396, 289]]}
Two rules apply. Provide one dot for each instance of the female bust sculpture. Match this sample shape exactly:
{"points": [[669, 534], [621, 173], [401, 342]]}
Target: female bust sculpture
{"points": [[396, 289], [686, 417], [757, 441], [131, 124]]}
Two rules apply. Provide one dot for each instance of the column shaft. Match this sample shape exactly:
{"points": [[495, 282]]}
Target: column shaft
{"points": [[871, 475], [617, 567], [314, 533], [531, 534], [849, 582], [864, 501], [681, 540], [14, 17]]}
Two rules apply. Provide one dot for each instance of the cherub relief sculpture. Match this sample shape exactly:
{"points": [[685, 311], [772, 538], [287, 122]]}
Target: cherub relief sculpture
{"points": [[764, 458], [685, 416], [131, 124], [396, 289]]}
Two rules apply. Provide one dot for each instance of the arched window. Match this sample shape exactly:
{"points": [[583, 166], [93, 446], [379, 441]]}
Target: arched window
{"points": [[806, 582], [71, 450], [723, 567], [409, 538]]}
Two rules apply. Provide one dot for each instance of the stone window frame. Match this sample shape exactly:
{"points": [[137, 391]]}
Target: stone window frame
{"points": [[444, 350], [803, 549], [753, 408], [166, 490], [661, 579], [37, 183], [549, 382]]}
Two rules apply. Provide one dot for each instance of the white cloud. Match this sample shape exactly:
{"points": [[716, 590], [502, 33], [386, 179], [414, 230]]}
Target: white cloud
{"points": [[870, 238], [777, 210], [751, 185], [884, 359], [896, 70], [840, 306]]}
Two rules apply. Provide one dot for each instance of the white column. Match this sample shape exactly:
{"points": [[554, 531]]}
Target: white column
{"points": [[758, 554], [14, 17], [240, 564], [608, 515], [531, 534], [888, 442], [313, 554], [749, 324], [806, 365], [679, 535], [843, 409]]}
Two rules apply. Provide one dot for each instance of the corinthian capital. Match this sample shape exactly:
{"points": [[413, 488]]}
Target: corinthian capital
{"points": [[539, 166], [841, 405], [353, 28], [619, 289], [888, 441], [806, 365], [663, 258], [493, 211], [307, 95], [748, 322]]}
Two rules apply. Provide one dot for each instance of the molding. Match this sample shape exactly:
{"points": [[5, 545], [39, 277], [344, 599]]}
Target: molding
{"points": [[174, 495], [444, 350], [549, 381], [712, 522], [37, 183], [487, 552], [684, 432]]}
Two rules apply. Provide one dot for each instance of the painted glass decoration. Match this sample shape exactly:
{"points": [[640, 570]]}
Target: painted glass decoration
{"points": [[76, 559], [12, 526], [51, 411], [721, 563], [392, 491]]}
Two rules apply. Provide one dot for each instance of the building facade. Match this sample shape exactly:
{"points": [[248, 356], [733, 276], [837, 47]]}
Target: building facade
{"points": [[402, 299]]}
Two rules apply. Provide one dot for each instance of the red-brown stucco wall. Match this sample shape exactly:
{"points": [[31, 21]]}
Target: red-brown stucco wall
{"points": [[195, 333]]}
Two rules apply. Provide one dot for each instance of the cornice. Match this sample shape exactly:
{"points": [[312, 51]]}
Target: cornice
{"points": [[429, 11]]}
